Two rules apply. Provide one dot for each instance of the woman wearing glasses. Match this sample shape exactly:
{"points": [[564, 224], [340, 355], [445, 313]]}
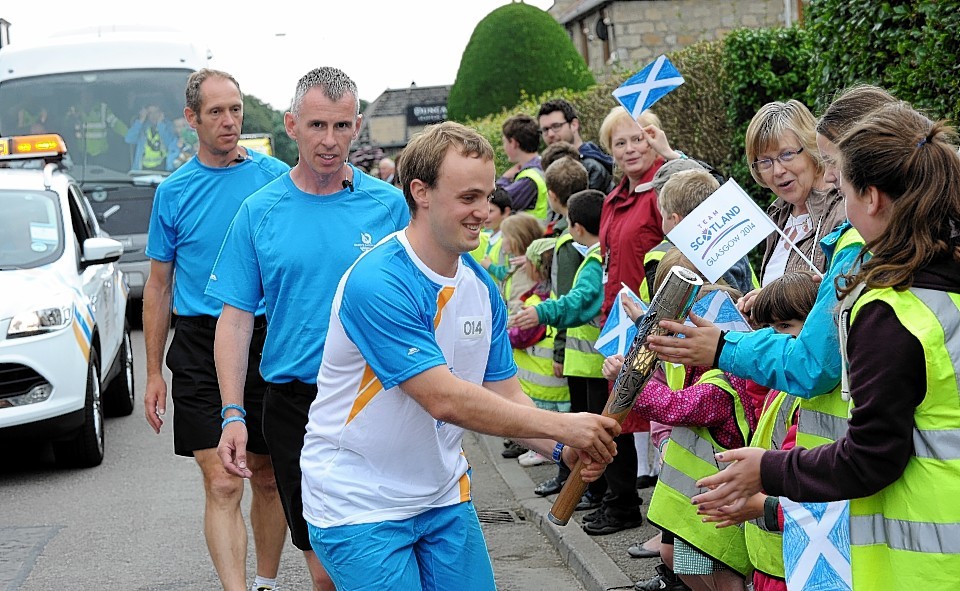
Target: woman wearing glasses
{"points": [[782, 150]]}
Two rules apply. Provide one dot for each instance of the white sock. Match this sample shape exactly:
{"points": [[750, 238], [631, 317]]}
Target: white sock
{"points": [[641, 442], [264, 582]]}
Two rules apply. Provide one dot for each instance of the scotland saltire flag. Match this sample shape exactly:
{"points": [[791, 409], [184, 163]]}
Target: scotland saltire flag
{"points": [[648, 86], [618, 331], [718, 307], [816, 545]]}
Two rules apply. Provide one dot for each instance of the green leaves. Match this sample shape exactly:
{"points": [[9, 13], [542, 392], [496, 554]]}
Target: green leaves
{"points": [[515, 49]]}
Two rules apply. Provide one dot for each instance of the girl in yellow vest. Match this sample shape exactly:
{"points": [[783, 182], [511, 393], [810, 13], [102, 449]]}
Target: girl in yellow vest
{"points": [[710, 411], [783, 305], [533, 347], [519, 231], [899, 461]]}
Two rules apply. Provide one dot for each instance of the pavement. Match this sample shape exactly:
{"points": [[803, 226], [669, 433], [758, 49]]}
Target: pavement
{"points": [[600, 563]]}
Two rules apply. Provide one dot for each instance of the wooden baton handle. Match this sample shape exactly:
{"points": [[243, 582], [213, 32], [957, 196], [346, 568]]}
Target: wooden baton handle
{"points": [[574, 488]]}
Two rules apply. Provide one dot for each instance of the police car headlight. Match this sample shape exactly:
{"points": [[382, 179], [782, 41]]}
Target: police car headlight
{"points": [[40, 321]]}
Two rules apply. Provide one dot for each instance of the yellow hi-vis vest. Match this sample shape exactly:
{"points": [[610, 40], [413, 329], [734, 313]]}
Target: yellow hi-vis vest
{"points": [[555, 264], [542, 207], [764, 547], [654, 254], [91, 128], [580, 357], [823, 419], [690, 457], [154, 152], [907, 536], [535, 366]]}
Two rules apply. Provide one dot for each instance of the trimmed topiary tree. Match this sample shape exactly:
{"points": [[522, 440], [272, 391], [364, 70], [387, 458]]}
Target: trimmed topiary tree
{"points": [[517, 49]]}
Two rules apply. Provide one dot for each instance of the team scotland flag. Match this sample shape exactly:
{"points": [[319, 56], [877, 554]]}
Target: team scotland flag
{"points": [[648, 86], [816, 545], [718, 307], [618, 331]]}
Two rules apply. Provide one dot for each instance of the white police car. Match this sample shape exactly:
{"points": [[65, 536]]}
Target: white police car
{"points": [[65, 354]]}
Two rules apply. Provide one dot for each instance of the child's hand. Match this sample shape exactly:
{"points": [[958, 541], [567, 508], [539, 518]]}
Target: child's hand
{"points": [[726, 516], [518, 260], [486, 262], [632, 308], [526, 318], [611, 366], [557, 370]]}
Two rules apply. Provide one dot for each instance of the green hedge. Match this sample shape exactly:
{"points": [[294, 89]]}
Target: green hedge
{"points": [[761, 65], [515, 49], [911, 48]]}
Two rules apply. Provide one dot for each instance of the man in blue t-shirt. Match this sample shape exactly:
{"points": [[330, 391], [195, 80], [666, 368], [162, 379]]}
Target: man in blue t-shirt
{"points": [[192, 210], [417, 352], [289, 245]]}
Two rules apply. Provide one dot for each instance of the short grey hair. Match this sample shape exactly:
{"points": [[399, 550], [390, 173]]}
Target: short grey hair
{"points": [[334, 83]]}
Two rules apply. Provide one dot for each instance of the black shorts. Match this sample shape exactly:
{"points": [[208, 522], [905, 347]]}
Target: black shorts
{"points": [[285, 412], [196, 391]]}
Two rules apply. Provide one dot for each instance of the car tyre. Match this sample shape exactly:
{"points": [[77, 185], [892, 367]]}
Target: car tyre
{"points": [[118, 396], [85, 450]]}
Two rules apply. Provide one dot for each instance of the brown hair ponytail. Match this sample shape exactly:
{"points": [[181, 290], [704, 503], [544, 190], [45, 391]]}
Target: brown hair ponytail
{"points": [[911, 160]]}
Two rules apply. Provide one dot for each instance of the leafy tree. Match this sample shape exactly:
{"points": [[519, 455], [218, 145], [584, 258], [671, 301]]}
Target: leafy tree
{"points": [[259, 117], [515, 50]]}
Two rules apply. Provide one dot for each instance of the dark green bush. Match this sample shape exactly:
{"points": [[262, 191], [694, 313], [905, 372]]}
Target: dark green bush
{"points": [[909, 47], [515, 49], [761, 65]]}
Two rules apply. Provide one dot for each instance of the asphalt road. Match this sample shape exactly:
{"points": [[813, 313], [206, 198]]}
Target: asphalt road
{"points": [[135, 522]]}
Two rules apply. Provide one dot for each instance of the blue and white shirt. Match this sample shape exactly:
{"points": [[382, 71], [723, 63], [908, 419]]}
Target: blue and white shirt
{"points": [[371, 452]]}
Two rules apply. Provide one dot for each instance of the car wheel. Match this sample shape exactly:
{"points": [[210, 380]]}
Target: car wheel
{"points": [[118, 396], [85, 450]]}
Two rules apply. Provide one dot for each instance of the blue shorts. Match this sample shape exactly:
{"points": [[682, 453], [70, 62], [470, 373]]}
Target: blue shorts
{"points": [[440, 549]]}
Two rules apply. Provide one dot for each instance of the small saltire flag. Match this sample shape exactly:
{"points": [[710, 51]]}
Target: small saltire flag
{"points": [[648, 86], [721, 230], [618, 331], [719, 308], [816, 545]]}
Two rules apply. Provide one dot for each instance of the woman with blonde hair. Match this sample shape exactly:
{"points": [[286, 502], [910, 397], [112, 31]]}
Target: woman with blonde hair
{"points": [[781, 148]]}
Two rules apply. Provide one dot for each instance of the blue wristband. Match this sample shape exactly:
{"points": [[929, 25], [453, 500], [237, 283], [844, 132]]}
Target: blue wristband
{"points": [[557, 452], [223, 411], [229, 420]]}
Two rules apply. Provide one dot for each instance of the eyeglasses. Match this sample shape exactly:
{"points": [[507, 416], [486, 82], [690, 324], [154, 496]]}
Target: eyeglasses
{"points": [[784, 157], [554, 128]]}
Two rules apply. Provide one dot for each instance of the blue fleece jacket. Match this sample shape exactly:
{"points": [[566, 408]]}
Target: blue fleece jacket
{"points": [[808, 365]]}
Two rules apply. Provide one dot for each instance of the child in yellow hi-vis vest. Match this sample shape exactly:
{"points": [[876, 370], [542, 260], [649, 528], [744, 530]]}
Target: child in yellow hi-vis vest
{"points": [[709, 411], [782, 305], [533, 347]]}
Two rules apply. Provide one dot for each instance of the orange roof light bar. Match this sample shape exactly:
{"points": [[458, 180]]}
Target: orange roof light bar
{"points": [[47, 145]]}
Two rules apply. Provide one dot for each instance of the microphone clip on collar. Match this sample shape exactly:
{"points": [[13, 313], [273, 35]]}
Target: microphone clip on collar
{"points": [[347, 184]]}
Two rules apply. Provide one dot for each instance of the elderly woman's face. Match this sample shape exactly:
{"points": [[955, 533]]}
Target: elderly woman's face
{"points": [[791, 181], [630, 149]]}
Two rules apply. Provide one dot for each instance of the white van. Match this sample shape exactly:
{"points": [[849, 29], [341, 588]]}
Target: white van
{"points": [[103, 90]]}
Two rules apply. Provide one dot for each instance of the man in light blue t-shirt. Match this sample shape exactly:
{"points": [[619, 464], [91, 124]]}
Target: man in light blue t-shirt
{"points": [[192, 210], [289, 245]]}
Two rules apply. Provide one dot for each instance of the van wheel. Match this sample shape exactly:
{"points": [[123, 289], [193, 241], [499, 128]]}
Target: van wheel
{"points": [[118, 396], [85, 450]]}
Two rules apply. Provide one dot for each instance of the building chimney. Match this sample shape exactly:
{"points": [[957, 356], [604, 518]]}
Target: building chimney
{"points": [[4, 33]]}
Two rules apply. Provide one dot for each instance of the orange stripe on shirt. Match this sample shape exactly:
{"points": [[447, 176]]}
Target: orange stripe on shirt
{"points": [[369, 386], [465, 487], [442, 298]]}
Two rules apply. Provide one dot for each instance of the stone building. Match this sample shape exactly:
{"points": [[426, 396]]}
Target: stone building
{"points": [[631, 33], [398, 113]]}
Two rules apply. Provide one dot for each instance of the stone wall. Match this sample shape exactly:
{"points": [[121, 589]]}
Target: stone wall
{"points": [[640, 30]]}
